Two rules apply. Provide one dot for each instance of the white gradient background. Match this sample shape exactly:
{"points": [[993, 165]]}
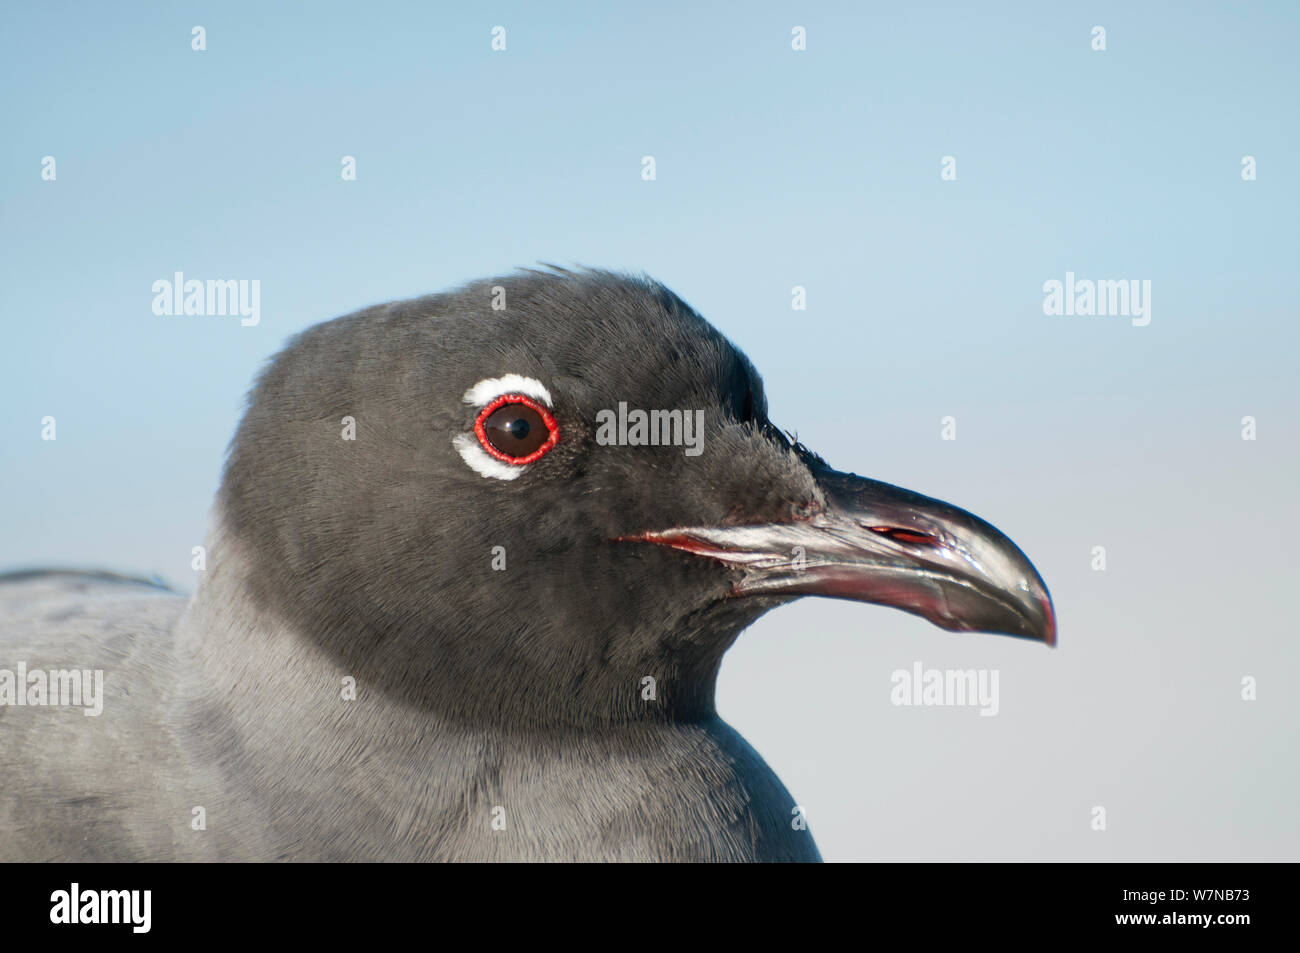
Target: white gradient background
{"points": [[775, 169]]}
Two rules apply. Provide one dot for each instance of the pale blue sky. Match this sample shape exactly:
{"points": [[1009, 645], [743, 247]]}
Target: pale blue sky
{"points": [[775, 168]]}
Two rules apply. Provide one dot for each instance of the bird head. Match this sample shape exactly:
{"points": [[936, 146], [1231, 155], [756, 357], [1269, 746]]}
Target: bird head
{"points": [[534, 493]]}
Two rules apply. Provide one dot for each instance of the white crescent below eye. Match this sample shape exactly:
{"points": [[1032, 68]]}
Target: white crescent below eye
{"points": [[467, 446], [482, 394]]}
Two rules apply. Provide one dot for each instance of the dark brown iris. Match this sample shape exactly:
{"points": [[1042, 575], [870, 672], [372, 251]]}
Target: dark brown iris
{"points": [[516, 430]]}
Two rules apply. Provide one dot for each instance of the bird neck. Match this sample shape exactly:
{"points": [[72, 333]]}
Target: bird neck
{"points": [[245, 654]]}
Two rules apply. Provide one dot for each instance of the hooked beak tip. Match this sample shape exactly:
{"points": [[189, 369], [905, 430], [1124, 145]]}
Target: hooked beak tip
{"points": [[1049, 615]]}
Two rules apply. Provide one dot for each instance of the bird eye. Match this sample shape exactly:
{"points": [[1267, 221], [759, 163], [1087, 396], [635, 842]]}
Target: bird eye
{"points": [[516, 429]]}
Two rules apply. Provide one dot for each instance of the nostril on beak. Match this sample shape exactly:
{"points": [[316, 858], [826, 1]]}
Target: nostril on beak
{"points": [[905, 535]]}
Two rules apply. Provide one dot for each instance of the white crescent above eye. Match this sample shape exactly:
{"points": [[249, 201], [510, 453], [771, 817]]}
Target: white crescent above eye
{"points": [[486, 391], [482, 394]]}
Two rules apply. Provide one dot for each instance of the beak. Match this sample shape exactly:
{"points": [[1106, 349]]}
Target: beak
{"points": [[878, 543]]}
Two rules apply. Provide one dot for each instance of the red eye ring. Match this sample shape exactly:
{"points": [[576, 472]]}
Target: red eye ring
{"points": [[540, 409]]}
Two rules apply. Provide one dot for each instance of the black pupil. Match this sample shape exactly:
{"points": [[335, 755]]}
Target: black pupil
{"points": [[515, 430]]}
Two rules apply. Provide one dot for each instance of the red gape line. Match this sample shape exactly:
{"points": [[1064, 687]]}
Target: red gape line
{"points": [[551, 427]]}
